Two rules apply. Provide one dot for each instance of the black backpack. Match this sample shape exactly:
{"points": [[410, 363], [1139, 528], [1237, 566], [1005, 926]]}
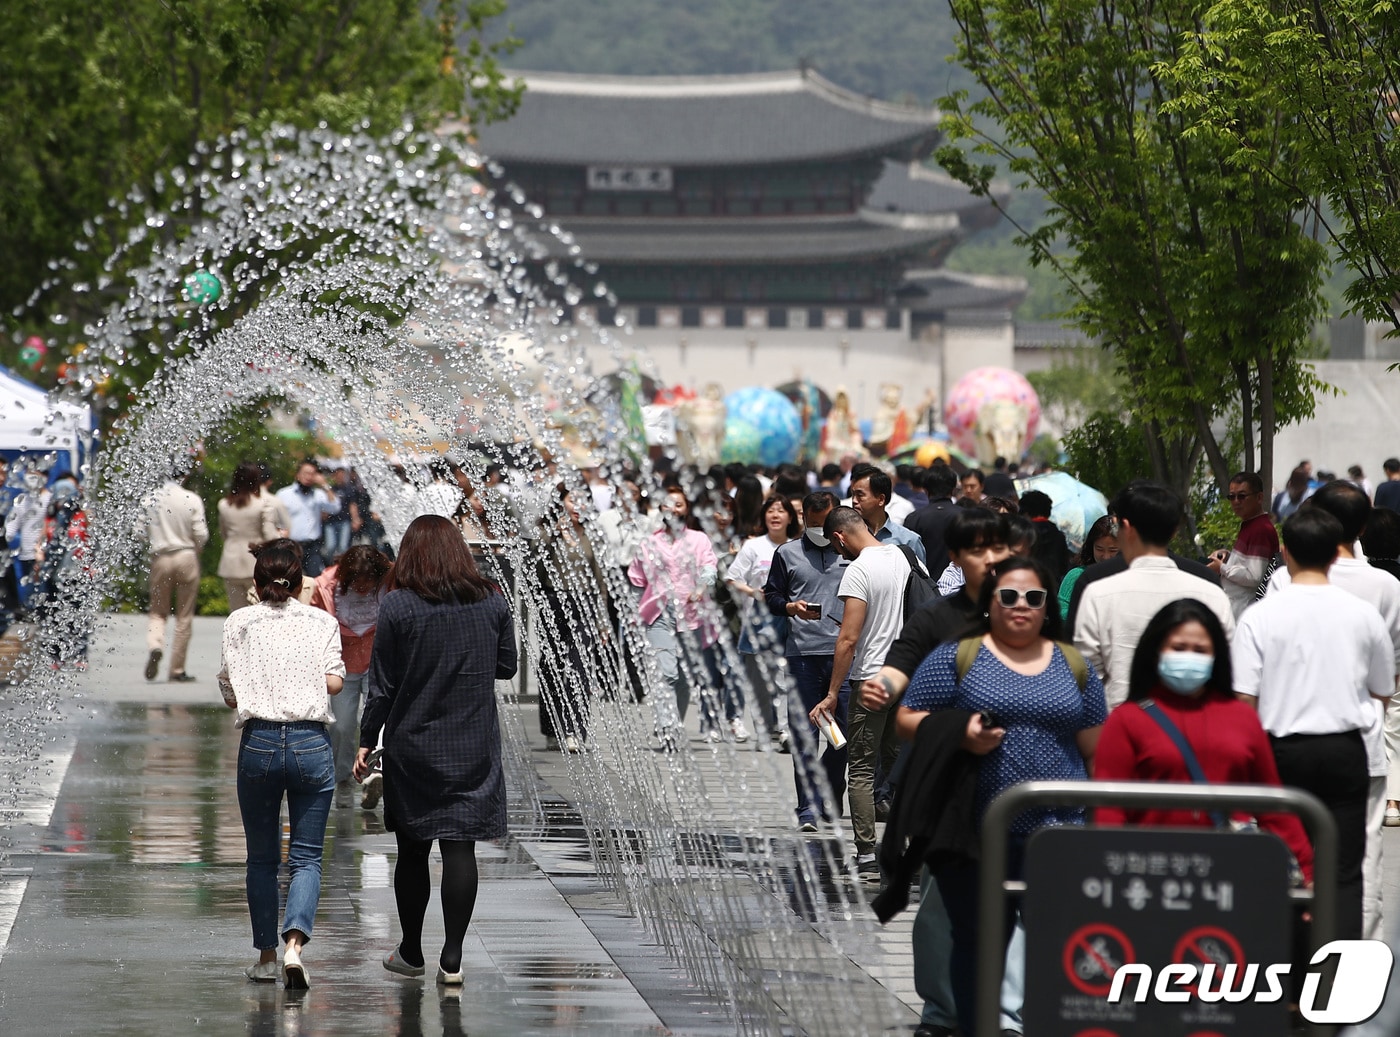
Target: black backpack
{"points": [[920, 588]]}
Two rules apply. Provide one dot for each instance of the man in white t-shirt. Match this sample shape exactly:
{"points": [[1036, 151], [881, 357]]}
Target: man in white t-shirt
{"points": [[1311, 658], [1113, 612], [872, 596], [1352, 508]]}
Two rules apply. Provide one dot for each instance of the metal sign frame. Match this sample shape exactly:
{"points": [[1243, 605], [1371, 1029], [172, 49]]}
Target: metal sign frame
{"points": [[1257, 799]]}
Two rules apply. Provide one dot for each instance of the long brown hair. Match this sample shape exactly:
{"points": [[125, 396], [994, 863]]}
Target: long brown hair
{"points": [[435, 564], [361, 562], [247, 481]]}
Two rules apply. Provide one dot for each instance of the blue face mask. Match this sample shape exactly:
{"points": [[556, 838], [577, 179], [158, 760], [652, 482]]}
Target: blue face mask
{"points": [[1185, 672]]}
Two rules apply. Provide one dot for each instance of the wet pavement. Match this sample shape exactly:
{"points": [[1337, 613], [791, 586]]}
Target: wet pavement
{"points": [[124, 880], [121, 893]]}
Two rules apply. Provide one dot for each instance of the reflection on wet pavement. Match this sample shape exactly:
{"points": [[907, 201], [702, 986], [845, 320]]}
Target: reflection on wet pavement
{"points": [[135, 921]]}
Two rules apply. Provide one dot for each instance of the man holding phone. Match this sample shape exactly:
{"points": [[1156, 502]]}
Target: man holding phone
{"points": [[1243, 567], [802, 584]]}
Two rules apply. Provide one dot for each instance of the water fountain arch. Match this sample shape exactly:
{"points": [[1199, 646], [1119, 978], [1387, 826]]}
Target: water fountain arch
{"points": [[385, 288]]}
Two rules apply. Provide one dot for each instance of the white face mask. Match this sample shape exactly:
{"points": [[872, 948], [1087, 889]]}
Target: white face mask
{"points": [[816, 537]]}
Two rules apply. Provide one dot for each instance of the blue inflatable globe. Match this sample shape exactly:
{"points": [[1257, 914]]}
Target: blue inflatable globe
{"points": [[742, 442], [770, 415]]}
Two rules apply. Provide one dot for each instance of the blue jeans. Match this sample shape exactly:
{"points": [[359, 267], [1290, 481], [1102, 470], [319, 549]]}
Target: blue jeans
{"points": [[345, 734], [811, 676], [295, 759], [933, 953], [335, 539]]}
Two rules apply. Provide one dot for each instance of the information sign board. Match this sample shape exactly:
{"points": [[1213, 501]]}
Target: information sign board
{"points": [[1099, 899]]}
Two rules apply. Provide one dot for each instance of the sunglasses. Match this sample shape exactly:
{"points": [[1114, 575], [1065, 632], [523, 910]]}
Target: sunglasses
{"points": [[1010, 597], [1240, 496]]}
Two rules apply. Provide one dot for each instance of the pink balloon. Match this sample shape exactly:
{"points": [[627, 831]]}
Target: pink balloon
{"points": [[975, 390]]}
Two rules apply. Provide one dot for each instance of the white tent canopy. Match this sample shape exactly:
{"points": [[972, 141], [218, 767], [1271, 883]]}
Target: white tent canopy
{"points": [[33, 421]]}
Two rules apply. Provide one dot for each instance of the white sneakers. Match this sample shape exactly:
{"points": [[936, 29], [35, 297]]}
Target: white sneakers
{"points": [[294, 974], [737, 729], [262, 972], [571, 745], [373, 789]]}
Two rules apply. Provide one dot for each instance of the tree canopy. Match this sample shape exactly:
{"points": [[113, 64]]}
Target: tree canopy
{"points": [[1194, 270], [98, 99], [1333, 71]]}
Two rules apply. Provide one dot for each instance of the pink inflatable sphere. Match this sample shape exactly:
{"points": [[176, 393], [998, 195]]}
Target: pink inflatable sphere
{"points": [[978, 396]]}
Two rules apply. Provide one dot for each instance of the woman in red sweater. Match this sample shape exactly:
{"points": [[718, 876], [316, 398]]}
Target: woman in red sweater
{"points": [[1182, 666]]}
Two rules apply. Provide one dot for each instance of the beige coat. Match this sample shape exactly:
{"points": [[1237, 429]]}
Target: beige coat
{"points": [[254, 523]]}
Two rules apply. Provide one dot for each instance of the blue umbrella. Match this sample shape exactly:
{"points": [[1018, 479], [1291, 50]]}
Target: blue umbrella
{"points": [[1077, 506]]}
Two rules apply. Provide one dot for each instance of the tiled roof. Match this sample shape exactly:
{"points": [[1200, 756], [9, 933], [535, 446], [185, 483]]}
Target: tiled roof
{"points": [[1049, 334], [702, 121], [942, 291], [750, 240]]}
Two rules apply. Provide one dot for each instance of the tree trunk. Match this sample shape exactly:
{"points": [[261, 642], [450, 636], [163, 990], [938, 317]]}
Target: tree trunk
{"points": [[1266, 423], [1246, 412]]}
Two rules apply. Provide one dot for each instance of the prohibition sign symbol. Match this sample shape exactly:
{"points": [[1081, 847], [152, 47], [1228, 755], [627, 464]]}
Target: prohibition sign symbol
{"points": [[1092, 955], [1208, 945]]}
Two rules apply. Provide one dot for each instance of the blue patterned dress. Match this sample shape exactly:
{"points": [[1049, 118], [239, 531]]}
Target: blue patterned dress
{"points": [[1042, 715]]}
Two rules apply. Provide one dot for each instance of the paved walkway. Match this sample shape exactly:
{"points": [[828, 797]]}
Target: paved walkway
{"points": [[122, 908], [123, 880]]}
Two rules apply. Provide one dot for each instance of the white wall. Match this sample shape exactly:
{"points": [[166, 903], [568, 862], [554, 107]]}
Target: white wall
{"points": [[861, 360], [1360, 426]]}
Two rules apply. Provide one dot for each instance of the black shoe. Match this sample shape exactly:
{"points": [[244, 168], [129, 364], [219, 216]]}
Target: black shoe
{"points": [[933, 1030], [153, 664], [181, 678], [882, 810], [868, 871]]}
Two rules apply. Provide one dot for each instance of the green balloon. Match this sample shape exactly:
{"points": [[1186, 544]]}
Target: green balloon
{"points": [[202, 288]]}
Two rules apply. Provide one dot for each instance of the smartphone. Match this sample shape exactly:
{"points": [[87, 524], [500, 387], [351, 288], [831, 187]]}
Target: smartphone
{"points": [[989, 720], [817, 608]]}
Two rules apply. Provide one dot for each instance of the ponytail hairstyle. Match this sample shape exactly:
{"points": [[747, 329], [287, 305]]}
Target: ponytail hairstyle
{"points": [[277, 573]]}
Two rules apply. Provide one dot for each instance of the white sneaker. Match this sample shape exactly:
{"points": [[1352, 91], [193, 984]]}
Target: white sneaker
{"points": [[571, 745], [736, 727], [373, 789], [712, 735]]}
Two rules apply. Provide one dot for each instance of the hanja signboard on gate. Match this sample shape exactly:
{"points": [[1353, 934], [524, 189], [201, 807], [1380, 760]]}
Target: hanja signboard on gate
{"points": [[1155, 932]]}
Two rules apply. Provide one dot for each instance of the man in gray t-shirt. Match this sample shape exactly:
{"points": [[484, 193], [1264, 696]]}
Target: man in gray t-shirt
{"points": [[872, 594]]}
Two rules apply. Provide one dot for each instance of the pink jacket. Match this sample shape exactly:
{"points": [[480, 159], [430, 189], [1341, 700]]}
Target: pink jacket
{"points": [[669, 569], [354, 649]]}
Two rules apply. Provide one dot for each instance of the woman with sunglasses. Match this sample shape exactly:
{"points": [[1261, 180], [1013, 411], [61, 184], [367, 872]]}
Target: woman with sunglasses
{"points": [[1036, 711]]}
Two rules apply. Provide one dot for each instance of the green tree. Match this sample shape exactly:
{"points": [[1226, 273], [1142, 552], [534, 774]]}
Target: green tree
{"points": [[99, 99], [1333, 70], [1194, 270]]}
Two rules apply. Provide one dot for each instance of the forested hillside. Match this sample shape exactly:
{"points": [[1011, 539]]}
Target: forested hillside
{"points": [[893, 49]]}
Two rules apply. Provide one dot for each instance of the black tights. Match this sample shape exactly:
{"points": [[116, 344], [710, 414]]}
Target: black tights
{"points": [[412, 889]]}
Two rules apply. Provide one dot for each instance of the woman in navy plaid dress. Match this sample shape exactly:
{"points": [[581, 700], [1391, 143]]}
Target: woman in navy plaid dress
{"points": [[444, 638]]}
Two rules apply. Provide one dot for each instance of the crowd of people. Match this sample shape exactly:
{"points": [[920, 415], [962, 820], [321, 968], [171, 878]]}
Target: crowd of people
{"points": [[933, 633]]}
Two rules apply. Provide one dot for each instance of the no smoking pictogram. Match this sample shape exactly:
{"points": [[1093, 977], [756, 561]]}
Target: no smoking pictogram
{"points": [[1092, 955]]}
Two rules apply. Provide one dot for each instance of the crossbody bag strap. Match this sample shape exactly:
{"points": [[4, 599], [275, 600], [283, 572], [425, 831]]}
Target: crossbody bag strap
{"points": [[1193, 765]]}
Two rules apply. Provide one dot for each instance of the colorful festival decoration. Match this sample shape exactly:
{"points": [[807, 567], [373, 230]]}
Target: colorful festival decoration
{"points": [[202, 288], [32, 353], [992, 412], [761, 425]]}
